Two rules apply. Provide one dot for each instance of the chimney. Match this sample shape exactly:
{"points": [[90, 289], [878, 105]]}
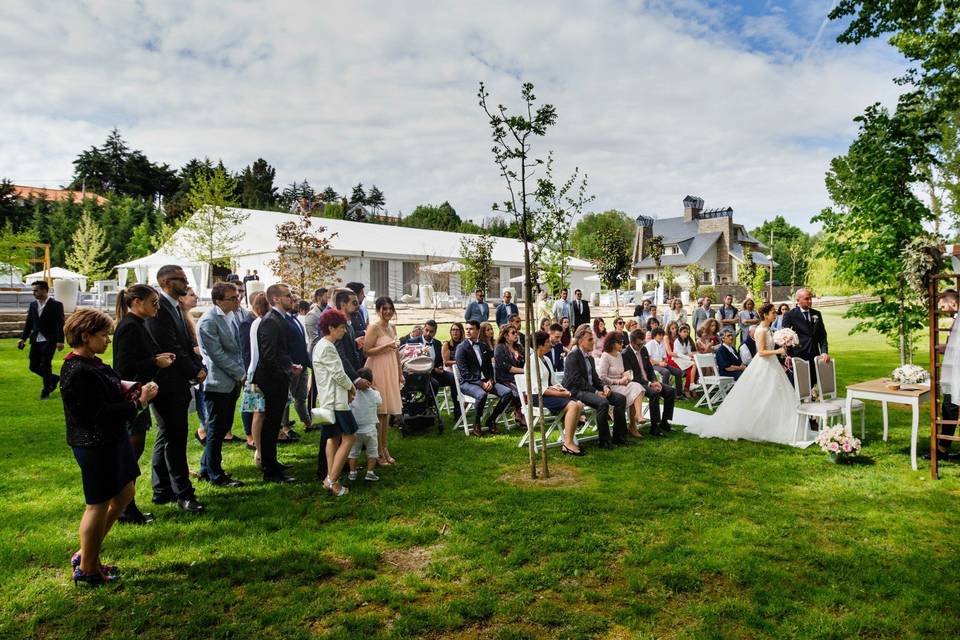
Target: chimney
{"points": [[644, 233], [692, 206]]}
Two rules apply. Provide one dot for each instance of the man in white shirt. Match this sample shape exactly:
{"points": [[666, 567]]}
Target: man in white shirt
{"points": [[658, 358], [561, 308]]}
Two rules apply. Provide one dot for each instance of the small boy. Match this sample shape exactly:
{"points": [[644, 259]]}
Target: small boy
{"points": [[364, 407]]}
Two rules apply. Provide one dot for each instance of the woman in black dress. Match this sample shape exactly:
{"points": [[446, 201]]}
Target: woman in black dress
{"points": [[137, 358], [507, 362], [96, 410]]}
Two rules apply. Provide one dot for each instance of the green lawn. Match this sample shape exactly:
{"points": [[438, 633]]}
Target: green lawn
{"points": [[676, 537]]}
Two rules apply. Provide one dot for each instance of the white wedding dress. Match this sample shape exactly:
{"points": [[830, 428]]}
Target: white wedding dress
{"points": [[761, 406]]}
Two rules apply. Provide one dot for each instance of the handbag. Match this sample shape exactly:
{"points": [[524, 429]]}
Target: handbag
{"points": [[322, 415], [130, 389]]}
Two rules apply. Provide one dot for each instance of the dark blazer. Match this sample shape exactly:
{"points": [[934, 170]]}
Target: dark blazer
{"points": [[274, 365], [50, 324], [812, 335], [503, 360], [579, 316], [245, 325], [639, 367], [504, 311], [349, 353], [556, 357], [173, 336], [134, 350], [575, 377], [468, 368], [727, 359], [297, 339]]}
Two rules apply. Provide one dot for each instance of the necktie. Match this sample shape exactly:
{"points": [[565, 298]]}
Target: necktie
{"points": [[806, 314], [643, 369]]}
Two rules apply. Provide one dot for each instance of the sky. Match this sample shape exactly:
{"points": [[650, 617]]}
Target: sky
{"points": [[740, 103]]}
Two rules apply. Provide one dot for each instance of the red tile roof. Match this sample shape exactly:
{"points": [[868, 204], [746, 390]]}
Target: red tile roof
{"points": [[55, 194]]}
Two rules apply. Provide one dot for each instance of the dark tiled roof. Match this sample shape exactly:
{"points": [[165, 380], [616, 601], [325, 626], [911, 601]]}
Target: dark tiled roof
{"points": [[699, 245]]}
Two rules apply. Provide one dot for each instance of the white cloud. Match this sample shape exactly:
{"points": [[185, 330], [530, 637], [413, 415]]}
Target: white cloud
{"points": [[654, 102]]}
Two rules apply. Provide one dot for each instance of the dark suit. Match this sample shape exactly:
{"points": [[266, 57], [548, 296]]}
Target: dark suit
{"points": [[645, 374], [727, 358], [556, 357], [580, 312], [580, 377], [812, 336], [297, 338], [49, 324], [473, 372], [171, 477], [273, 375]]}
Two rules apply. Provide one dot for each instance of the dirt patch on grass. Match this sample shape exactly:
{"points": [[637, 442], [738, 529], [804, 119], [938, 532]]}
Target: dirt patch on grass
{"points": [[560, 476], [411, 559]]}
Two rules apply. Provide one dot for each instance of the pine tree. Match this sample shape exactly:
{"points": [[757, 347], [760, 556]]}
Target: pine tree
{"points": [[88, 256], [375, 199], [256, 185], [358, 196], [329, 195]]}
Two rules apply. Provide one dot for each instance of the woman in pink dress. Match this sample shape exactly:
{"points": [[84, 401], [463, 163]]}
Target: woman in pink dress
{"points": [[383, 359], [612, 373]]}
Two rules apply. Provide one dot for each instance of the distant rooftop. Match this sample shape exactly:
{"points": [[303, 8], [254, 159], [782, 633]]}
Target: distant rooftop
{"points": [[55, 194]]}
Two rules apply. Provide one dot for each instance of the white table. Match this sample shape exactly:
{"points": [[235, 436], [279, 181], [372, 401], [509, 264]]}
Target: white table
{"points": [[877, 390]]}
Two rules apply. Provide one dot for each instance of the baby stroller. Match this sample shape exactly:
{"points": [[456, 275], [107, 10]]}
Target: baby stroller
{"points": [[419, 404]]}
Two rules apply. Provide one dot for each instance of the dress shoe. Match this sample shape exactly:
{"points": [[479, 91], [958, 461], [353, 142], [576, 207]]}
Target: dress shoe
{"points": [[163, 499], [492, 428], [202, 441], [203, 477], [226, 481], [190, 504], [605, 444], [619, 441], [280, 478], [655, 431], [476, 431], [54, 382], [44, 394], [666, 426], [307, 428]]}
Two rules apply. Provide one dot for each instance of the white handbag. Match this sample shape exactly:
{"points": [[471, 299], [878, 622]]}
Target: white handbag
{"points": [[322, 415]]}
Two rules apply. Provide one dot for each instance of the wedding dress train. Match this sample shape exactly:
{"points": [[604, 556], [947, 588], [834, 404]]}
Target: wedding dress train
{"points": [[761, 407]]}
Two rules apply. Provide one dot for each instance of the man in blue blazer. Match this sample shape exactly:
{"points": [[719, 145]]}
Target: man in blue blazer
{"points": [[474, 362], [728, 360], [44, 328], [218, 333]]}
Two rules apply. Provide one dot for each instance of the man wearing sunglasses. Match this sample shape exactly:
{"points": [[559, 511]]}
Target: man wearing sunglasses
{"points": [[171, 477]]}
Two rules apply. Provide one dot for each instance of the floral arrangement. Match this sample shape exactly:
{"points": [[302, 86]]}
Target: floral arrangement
{"points": [[786, 337], [922, 257], [838, 443], [909, 374]]}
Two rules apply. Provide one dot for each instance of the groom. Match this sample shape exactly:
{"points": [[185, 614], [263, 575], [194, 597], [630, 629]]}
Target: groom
{"points": [[812, 333]]}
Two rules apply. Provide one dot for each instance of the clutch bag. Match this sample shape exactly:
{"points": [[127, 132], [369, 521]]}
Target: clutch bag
{"points": [[322, 415], [130, 389]]}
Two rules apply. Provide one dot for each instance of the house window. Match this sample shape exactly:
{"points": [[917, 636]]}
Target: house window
{"points": [[672, 251], [516, 272], [380, 277], [649, 277]]}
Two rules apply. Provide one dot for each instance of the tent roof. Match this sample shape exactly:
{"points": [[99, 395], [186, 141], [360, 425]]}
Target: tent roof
{"points": [[157, 259], [354, 238], [56, 272]]}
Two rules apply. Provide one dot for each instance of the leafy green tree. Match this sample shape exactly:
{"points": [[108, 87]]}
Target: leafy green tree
{"points": [[669, 278], [15, 252], [332, 210], [695, 274], [213, 231], [586, 235], [614, 263], [759, 283], [655, 249], [428, 216], [141, 240], [88, 256], [255, 185], [476, 255], [329, 195], [501, 228], [375, 199], [176, 206], [358, 195], [877, 213], [791, 249], [115, 168]]}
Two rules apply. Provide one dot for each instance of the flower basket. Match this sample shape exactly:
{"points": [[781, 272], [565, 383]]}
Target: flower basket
{"points": [[910, 374], [838, 444]]}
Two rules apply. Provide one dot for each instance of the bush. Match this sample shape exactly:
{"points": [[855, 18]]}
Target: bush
{"points": [[707, 291]]}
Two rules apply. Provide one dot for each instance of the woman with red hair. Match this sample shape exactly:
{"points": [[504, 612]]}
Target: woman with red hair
{"points": [[334, 393]]}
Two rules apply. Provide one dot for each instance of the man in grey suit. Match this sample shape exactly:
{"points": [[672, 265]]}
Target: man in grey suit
{"points": [[218, 333]]}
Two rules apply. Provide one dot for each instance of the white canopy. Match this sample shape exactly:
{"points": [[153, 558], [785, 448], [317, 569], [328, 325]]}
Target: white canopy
{"points": [[58, 273], [444, 267], [146, 268]]}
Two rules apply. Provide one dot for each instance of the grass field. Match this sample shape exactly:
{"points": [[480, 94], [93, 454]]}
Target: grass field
{"points": [[674, 537]]}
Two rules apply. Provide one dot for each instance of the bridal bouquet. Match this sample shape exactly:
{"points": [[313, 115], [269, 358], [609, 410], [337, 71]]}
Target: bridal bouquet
{"points": [[909, 374], [838, 443], [786, 338]]}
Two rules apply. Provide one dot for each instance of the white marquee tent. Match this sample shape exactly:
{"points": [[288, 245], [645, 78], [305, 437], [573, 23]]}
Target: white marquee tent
{"points": [[58, 273], [145, 269]]}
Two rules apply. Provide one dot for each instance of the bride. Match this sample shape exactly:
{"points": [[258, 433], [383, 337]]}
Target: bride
{"points": [[761, 406]]}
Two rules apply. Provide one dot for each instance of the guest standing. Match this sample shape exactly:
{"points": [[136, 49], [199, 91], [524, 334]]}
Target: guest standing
{"points": [[219, 337], [137, 358], [478, 309], [335, 391], [252, 402], [782, 311], [96, 411], [748, 318], [361, 319], [273, 375], [580, 377], [188, 302], [44, 328], [297, 341], [599, 334], [506, 309], [383, 359], [728, 315], [579, 309], [561, 308], [703, 313], [171, 476]]}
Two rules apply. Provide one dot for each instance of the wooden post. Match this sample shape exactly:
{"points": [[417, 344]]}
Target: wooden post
{"points": [[933, 315]]}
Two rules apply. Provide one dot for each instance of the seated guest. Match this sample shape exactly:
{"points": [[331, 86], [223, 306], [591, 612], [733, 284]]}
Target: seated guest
{"points": [[749, 347], [707, 341], [567, 337], [440, 377], [728, 360], [580, 377], [613, 374], [653, 313], [556, 399], [517, 324], [652, 323], [630, 325], [636, 359], [506, 309], [474, 362], [507, 362], [487, 335], [545, 324], [619, 324], [557, 352], [599, 334], [642, 311], [683, 350], [449, 349], [658, 358], [413, 336], [96, 411]]}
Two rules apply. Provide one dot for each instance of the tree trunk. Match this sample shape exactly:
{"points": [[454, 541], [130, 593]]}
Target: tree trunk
{"points": [[902, 327]]}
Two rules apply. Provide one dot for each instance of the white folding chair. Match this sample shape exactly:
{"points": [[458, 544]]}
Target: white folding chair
{"points": [[445, 400], [827, 382], [553, 424], [822, 412], [468, 402], [714, 386]]}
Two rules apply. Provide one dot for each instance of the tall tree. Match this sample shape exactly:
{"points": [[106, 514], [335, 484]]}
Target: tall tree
{"points": [[15, 253], [358, 195], [877, 213], [585, 238], [115, 168], [256, 185], [329, 195], [476, 255], [428, 216], [375, 199], [792, 249], [303, 255], [89, 253], [211, 234], [513, 135], [614, 263]]}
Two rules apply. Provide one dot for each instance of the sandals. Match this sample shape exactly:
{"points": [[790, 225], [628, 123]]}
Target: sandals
{"points": [[329, 485], [571, 452]]}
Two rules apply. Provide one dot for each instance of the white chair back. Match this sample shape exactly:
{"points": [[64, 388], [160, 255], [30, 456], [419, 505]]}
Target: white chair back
{"points": [[801, 379], [826, 378], [706, 364]]}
